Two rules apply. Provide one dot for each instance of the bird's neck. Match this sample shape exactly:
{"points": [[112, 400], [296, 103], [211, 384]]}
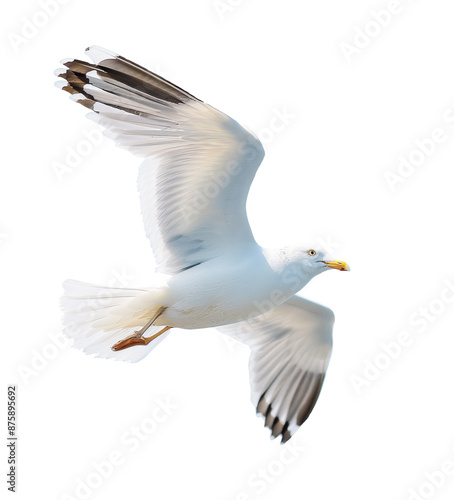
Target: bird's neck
{"points": [[286, 263]]}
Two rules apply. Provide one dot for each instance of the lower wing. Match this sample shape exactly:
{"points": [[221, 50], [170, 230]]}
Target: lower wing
{"points": [[291, 346]]}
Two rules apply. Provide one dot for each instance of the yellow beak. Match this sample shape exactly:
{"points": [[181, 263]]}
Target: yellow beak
{"points": [[337, 264]]}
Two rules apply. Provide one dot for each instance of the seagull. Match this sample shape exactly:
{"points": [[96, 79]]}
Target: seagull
{"points": [[198, 165]]}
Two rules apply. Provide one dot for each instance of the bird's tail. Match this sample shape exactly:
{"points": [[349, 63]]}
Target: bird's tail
{"points": [[98, 317]]}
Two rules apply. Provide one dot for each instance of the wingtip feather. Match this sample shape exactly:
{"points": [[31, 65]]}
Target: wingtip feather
{"points": [[98, 53]]}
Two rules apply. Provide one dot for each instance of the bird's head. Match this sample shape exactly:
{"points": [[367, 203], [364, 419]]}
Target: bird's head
{"points": [[299, 264], [316, 260]]}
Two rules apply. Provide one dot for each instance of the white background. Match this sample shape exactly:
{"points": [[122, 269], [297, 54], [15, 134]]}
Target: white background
{"points": [[376, 433]]}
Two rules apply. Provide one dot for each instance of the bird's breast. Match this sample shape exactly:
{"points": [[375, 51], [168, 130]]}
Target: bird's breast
{"points": [[224, 291]]}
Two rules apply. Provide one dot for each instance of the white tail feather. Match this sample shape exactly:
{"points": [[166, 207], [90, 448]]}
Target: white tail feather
{"points": [[97, 317]]}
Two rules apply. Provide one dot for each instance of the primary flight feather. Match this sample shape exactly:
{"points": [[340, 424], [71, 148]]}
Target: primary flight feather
{"points": [[193, 183]]}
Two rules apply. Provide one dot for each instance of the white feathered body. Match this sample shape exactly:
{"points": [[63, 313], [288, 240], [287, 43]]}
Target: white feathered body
{"points": [[230, 288]]}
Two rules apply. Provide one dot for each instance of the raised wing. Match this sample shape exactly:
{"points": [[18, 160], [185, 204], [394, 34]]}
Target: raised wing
{"points": [[290, 350], [199, 162]]}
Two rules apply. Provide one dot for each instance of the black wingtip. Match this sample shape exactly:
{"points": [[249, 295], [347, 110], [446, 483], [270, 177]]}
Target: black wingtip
{"points": [[285, 433], [273, 423]]}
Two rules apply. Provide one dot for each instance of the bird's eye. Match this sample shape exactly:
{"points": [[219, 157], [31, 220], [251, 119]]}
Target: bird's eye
{"points": [[312, 253]]}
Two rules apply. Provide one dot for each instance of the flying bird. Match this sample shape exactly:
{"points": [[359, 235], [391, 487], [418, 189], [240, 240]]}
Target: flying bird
{"points": [[193, 183]]}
